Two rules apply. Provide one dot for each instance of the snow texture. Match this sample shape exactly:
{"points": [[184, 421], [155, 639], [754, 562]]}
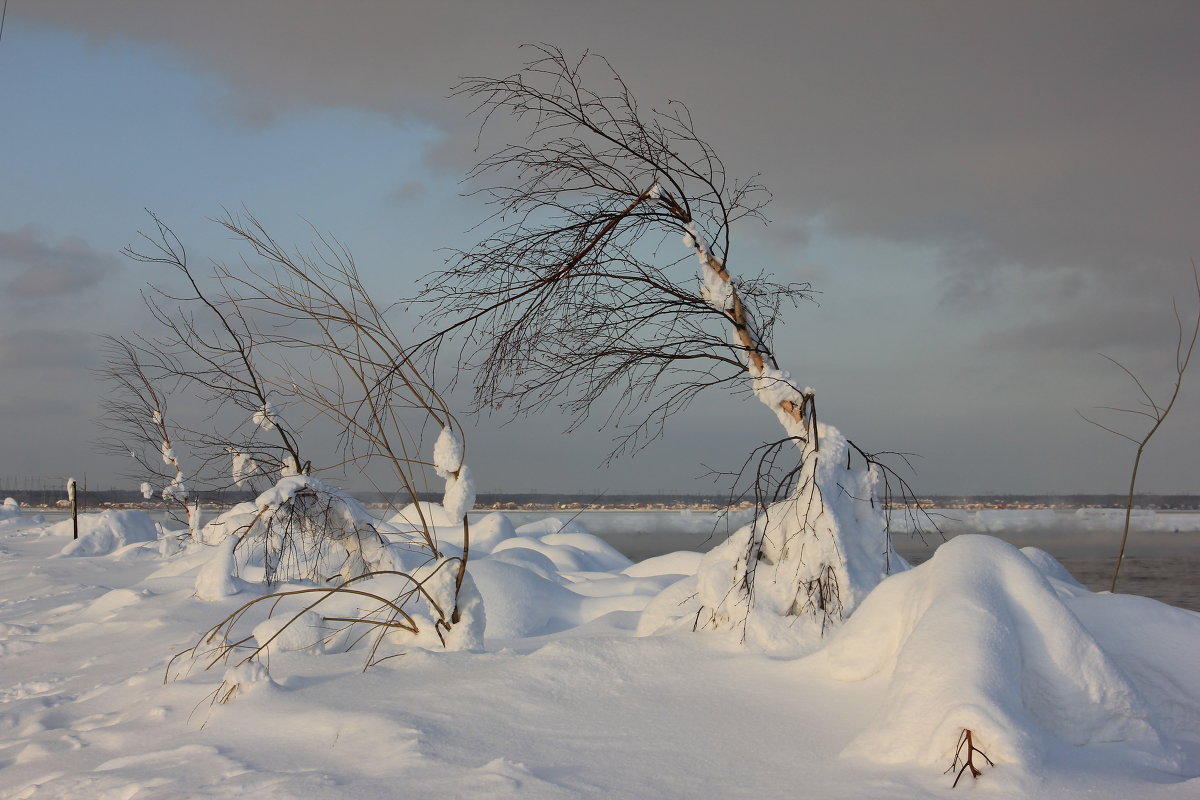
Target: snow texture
{"points": [[978, 638], [447, 453], [100, 535], [1074, 694], [460, 494], [176, 491], [10, 508]]}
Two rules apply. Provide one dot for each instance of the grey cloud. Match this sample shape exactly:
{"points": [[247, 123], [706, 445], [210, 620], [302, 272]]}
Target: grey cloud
{"points": [[33, 348], [41, 269], [1044, 137], [409, 191], [41, 405]]}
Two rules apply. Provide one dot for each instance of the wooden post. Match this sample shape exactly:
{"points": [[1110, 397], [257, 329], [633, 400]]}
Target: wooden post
{"points": [[74, 507]]}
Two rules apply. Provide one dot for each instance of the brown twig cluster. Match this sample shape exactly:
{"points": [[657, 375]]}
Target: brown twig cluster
{"points": [[964, 754]]}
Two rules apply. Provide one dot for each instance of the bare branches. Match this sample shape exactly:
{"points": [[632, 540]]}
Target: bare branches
{"points": [[270, 344], [964, 753], [568, 303], [1151, 409], [207, 345]]}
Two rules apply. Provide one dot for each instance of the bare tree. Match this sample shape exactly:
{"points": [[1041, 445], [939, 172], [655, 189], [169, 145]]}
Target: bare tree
{"points": [[208, 346], [135, 414], [572, 302], [275, 343], [569, 301], [1154, 412]]}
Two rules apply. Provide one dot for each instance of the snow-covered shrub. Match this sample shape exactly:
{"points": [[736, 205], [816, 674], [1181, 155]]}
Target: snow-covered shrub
{"points": [[803, 565], [302, 529]]}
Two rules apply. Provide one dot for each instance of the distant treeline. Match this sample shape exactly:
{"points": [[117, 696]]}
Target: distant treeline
{"points": [[46, 492]]}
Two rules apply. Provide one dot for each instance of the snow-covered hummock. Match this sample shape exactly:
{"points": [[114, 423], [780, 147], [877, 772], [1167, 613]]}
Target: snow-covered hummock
{"points": [[299, 528], [988, 638], [146, 489], [303, 531], [107, 532], [10, 508]]}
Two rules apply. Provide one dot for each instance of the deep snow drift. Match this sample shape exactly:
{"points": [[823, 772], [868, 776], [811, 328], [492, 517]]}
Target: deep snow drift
{"points": [[1070, 693]]}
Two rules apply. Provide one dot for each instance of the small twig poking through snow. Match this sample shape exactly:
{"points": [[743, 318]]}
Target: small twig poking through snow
{"points": [[968, 759]]}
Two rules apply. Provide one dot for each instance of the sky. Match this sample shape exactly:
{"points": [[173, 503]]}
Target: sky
{"points": [[985, 196]]}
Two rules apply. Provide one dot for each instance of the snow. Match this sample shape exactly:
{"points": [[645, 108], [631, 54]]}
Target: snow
{"points": [[266, 417], [106, 532], [789, 577], [243, 466], [977, 638], [459, 497], [10, 508], [548, 693], [447, 453]]}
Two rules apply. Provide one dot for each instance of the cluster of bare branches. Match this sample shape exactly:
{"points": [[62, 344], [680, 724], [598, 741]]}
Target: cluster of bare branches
{"points": [[569, 303], [964, 754], [269, 345], [355, 611]]}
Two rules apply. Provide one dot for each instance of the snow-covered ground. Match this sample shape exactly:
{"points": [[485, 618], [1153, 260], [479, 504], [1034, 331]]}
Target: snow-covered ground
{"points": [[1073, 694]]}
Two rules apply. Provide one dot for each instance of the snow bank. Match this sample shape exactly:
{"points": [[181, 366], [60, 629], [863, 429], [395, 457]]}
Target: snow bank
{"points": [[978, 638], [104, 533]]}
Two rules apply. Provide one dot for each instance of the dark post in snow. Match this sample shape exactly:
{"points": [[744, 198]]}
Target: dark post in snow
{"points": [[71, 496]]}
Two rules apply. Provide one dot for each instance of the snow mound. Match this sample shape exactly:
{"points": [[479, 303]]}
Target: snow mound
{"points": [[551, 525], [105, 533], [10, 508], [414, 516], [978, 638]]}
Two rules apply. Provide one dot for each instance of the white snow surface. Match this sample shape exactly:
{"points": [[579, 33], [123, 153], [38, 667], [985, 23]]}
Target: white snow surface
{"points": [[106, 532], [447, 453], [10, 508], [1072, 694], [980, 638]]}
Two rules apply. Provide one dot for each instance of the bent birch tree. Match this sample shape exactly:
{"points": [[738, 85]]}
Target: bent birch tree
{"points": [[569, 302]]}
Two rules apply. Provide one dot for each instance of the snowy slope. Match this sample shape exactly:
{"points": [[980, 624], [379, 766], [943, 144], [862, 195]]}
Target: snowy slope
{"points": [[564, 701]]}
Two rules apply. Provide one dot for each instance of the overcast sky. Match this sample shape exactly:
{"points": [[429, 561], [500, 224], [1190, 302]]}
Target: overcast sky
{"points": [[986, 195]]}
